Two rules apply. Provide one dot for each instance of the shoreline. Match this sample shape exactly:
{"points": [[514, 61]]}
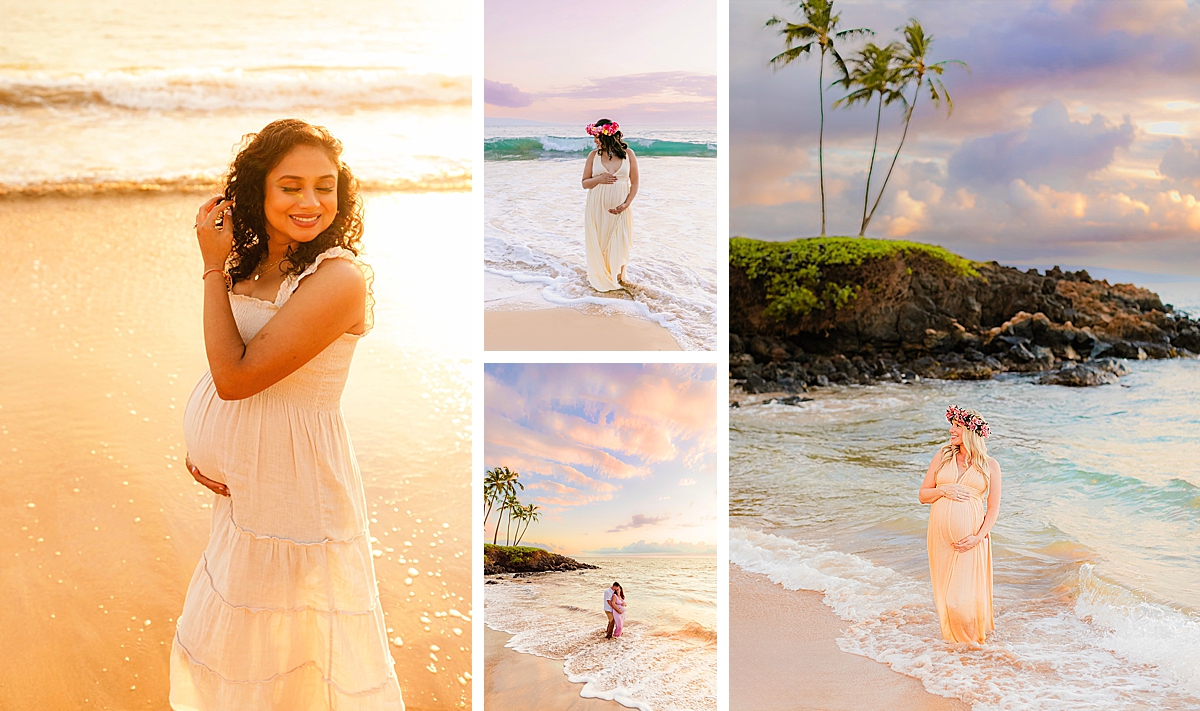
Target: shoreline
{"points": [[567, 329], [782, 641], [525, 682]]}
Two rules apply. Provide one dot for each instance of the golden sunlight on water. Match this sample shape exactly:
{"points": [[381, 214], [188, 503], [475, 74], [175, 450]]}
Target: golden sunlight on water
{"points": [[102, 526]]}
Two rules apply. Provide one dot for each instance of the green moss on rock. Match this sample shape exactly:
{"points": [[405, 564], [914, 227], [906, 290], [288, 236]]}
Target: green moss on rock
{"points": [[793, 272]]}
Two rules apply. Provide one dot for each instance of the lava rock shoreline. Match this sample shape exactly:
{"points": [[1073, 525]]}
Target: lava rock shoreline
{"points": [[521, 559], [881, 311]]}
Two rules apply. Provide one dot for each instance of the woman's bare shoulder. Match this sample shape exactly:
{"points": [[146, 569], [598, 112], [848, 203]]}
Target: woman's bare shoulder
{"points": [[337, 275]]}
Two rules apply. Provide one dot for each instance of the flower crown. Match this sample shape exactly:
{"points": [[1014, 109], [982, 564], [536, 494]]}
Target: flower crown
{"points": [[975, 423], [607, 129]]}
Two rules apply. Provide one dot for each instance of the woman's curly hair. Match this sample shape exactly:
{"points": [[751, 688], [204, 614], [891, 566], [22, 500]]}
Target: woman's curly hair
{"points": [[246, 187], [612, 145]]}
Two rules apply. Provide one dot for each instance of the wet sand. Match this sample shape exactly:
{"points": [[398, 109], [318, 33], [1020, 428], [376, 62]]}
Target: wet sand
{"points": [[783, 655], [565, 329], [100, 346], [523, 682]]}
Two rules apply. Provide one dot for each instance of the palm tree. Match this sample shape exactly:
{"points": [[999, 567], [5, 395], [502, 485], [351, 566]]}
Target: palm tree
{"points": [[499, 483], [910, 61], [529, 515], [873, 71], [517, 511], [819, 28], [511, 504], [493, 484]]}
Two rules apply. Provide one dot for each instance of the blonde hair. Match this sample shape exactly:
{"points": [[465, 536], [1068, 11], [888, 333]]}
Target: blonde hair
{"points": [[975, 448]]}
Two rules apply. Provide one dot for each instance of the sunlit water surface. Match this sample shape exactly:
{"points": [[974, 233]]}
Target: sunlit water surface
{"points": [[100, 346]]}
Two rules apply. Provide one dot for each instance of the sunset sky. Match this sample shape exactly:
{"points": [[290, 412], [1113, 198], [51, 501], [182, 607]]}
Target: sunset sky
{"points": [[1074, 140], [621, 458], [569, 61]]}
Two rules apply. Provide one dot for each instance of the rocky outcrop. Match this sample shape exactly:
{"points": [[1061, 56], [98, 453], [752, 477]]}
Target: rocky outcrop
{"points": [[523, 559], [900, 314]]}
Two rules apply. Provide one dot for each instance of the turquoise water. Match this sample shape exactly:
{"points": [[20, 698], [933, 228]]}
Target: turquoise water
{"points": [[1097, 548], [563, 142], [666, 660], [564, 147]]}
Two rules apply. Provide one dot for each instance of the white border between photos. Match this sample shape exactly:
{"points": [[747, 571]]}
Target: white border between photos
{"points": [[476, 322]]}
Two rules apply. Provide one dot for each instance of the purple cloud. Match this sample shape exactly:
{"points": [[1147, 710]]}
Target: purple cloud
{"points": [[507, 95], [681, 83], [638, 521], [1053, 148], [1182, 162]]}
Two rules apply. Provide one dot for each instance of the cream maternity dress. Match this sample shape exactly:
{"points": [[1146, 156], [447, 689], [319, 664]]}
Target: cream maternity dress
{"points": [[608, 237], [282, 611], [962, 582]]}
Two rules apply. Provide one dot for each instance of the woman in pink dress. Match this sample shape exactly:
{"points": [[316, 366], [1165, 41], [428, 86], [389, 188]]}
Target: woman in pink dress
{"points": [[618, 606]]}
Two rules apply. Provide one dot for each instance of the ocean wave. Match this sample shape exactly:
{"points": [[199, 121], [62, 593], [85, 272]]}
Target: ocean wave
{"points": [[692, 632], [81, 187], [641, 669], [275, 88], [1110, 650], [544, 147]]}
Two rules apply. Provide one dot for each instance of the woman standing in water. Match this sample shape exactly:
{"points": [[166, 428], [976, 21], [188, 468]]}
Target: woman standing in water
{"points": [[283, 610], [618, 606], [960, 479], [611, 178]]}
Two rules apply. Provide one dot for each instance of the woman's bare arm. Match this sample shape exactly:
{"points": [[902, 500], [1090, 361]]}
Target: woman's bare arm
{"points": [[929, 489], [331, 302], [590, 182], [993, 500]]}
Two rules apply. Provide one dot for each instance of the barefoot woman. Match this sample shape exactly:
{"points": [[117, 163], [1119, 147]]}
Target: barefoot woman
{"points": [[282, 611], [611, 178], [960, 479]]}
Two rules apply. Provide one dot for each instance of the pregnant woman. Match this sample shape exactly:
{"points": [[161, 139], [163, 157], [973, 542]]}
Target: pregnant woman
{"points": [[282, 611], [611, 178], [961, 478], [618, 606]]}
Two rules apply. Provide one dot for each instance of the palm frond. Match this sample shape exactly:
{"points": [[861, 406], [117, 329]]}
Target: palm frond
{"points": [[787, 57]]}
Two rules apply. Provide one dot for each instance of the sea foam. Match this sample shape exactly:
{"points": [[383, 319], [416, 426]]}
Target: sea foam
{"points": [[1110, 650]]}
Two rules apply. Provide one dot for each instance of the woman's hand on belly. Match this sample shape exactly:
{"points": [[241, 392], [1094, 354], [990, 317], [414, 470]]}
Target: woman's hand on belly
{"points": [[967, 543], [216, 486], [955, 492]]}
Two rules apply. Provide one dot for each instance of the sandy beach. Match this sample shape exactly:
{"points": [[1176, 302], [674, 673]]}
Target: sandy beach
{"points": [[101, 345], [565, 329], [783, 655], [524, 682]]}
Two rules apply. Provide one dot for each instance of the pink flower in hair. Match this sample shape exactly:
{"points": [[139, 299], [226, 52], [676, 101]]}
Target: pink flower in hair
{"points": [[607, 129], [975, 423]]}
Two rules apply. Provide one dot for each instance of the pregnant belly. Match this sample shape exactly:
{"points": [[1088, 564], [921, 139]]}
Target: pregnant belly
{"points": [[958, 519], [202, 425], [609, 195]]}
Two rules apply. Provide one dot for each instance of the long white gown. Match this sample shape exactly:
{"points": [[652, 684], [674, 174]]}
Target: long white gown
{"points": [[608, 237], [283, 609]]}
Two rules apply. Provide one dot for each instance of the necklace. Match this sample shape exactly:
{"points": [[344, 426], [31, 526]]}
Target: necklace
{"points": [[260, 272]]}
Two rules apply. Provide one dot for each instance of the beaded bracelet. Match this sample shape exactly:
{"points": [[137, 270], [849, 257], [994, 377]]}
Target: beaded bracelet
{"points": [[223, 273]]}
